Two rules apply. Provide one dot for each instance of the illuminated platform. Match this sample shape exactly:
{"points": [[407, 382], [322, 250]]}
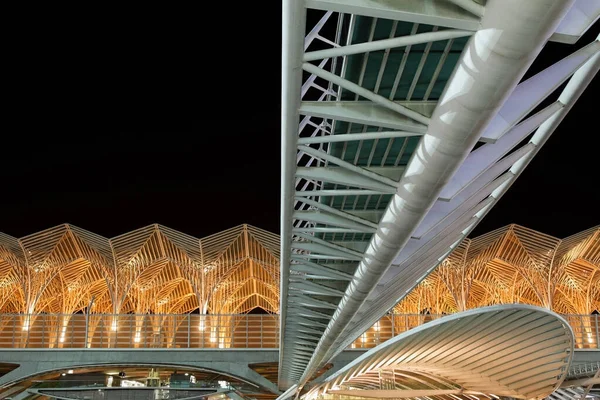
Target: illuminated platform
{"points": [[512, 264]]}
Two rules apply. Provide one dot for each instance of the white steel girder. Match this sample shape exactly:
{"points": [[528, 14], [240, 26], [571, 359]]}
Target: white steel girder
{"points": [[424, 253], [437, 12], [435, 200], [527, 95], [578, 20]]}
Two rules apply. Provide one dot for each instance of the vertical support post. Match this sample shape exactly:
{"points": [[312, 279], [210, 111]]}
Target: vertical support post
{"points": [[174, 330], [59, 321], [393, 329], [27, 331], [87, 323], [72, 331], [218, 330], [43, 329], [247, 323], [597, 332], [582, 331], [111, 337], [131, 319], [293, 31], [14, 325], [207, 328], [189, 334], [232, 327]]}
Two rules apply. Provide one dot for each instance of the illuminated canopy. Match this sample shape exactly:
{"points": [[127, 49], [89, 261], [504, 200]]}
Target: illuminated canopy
{"points": [[514, 265], [152, 269], [159, 270]]}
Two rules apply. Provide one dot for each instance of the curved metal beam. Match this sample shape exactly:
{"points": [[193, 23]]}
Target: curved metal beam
{"points": [[509, 350]]}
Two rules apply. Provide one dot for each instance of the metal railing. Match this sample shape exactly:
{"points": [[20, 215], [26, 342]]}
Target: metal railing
{"points": [[139, 331], [585, 328], [205, 331], [583, 370]]}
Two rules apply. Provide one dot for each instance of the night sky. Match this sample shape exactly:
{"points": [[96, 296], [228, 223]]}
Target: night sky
{"points": [[118, 121]]}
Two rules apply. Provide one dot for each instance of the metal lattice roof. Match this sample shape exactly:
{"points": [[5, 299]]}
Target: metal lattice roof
{"points": [[152, 269], [410, 130]]}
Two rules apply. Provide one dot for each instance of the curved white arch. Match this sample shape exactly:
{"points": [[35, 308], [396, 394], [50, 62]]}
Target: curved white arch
{"points": [[511, 350]]}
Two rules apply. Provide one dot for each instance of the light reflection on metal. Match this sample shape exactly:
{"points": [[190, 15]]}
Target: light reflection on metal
{"points": [[153, 269], [507, 350], [252, 331], [512, 264]]}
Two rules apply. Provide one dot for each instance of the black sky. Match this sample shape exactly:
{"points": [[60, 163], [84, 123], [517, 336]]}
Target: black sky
{"points": [[114, 120]]}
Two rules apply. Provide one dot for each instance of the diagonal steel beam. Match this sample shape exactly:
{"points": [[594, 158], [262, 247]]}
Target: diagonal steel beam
{"points": [[372, 114], [470, 100], [431, 250], [356, 136], [527, 95], [367, 94], [433, 12], [401, 41]]}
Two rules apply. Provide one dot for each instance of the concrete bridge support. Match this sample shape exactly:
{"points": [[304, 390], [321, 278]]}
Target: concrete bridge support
{"points": [[33, 362], [230, 362]]}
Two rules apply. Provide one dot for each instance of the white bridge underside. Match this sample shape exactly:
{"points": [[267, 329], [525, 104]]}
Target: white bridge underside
{"points": [[403, 123], [507, 350]]}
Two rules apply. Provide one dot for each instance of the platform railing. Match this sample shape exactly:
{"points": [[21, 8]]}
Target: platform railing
{"points": [[247, 331], [583, 370], [139, 331], [586, 329]]}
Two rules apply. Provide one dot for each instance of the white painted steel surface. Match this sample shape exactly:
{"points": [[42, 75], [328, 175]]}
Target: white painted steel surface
{"points": [[436, 202], [511, 350]]}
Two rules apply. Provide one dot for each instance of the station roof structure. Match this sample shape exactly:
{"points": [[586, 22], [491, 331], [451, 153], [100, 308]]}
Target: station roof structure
{"points": [[514, 264], [239, 268], [152, 269], [403, 123]]}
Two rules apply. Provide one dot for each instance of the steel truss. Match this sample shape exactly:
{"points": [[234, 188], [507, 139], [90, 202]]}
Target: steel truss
{"points": [[153, 270], [514, 265], [379, 179]]}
